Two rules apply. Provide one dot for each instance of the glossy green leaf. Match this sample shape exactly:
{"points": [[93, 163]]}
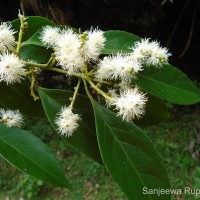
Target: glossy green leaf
{"points": [[129, 155], [84, 138], [17, 96], [119, 41], [35, 53], [35, 23], [30, 155], [168, 83], [35, 39], [155, 112]]}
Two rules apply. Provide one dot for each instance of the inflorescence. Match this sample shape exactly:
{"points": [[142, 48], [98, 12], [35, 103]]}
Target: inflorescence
{"points": [[11, 117], [78, 54]]}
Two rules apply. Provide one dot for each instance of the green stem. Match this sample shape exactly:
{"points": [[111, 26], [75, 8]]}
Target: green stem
{"points": [[37, 64], [98, 90], [22, 26], [105, 82], [52, 62], [75, 94], [86, 89], [33, 80], [45, 66], [28, 73]]}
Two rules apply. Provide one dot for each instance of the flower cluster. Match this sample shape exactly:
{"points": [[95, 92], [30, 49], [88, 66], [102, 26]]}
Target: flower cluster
{"points": [[94, 43], [11, 68], [7, 39], [72, 50], [79, 54], [67, 121], [11, 117], [124, 67], [120, 67], [130, 104], [150, 53], [49, 35]]}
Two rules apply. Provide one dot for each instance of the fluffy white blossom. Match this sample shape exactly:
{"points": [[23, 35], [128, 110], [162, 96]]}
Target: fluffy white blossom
{"points": [[130, 104], [11, 117], [67, 121], [11, 68], [150, 53], [121, 67], [94, 43], [68, 52], [7, 39], [50, 35]]}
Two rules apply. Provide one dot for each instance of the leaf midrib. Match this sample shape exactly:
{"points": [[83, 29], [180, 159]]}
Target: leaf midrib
{"points": [[122, 150], [171, 86]]}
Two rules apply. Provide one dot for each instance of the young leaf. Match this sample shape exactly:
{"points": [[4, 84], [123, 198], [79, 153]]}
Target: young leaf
{"points": [[35, 23], [30, 155], [155, 112], [34, 40], [119, 41], [129, 155], [84, 138], [17, 96], [35, 53], [168, 83]]}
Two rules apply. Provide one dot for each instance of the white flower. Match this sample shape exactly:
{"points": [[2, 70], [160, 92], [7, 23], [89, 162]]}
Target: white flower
{"points": [[121, 67], [130, 104], [125, 68], [7, 39], [11, 117], [11, 68], [105, 69], [67, 121], [159, 57], [50, 35], [68, 52], [94, 43], [150, 53]]}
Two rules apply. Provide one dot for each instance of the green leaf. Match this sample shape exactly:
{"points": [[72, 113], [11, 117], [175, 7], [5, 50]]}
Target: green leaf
{"points": [[84, 138], [35, 53], [155, 112], [30, 155], [17, 96], [34, 24], [129, 155], [168, 83], [35, 40], [119, 41]]}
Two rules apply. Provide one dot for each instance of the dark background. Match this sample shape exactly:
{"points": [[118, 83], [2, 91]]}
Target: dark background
{"points": [[176, 25]]}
